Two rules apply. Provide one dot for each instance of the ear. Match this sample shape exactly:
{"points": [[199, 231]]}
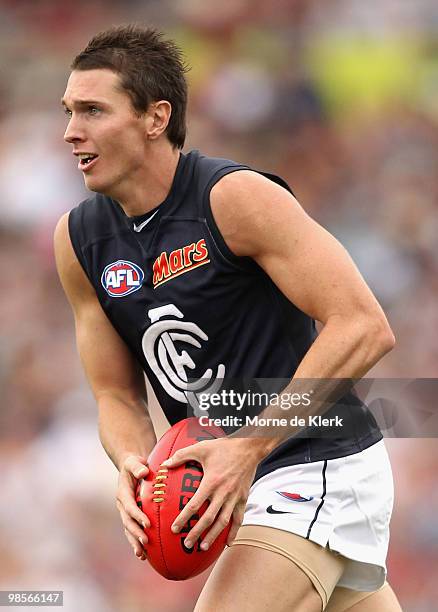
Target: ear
{"points": [[157, 119]]}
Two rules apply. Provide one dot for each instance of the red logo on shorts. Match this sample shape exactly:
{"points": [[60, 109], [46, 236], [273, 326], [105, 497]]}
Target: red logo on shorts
{"points": [[296, 497]]}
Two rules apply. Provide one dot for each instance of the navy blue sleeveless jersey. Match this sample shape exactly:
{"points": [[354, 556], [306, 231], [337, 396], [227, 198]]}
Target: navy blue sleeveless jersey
{"points": [[195, 315]]}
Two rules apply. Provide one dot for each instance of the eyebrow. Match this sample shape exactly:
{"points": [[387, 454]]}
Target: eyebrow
{"points": [[83, 102]]}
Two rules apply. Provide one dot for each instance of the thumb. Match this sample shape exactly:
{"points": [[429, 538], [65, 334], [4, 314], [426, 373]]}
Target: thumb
{"points": [[137, 465], [140, 471]]}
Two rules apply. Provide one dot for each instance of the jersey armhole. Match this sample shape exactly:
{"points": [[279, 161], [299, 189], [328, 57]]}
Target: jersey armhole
{"points": [[75, 244], [245, 263]]}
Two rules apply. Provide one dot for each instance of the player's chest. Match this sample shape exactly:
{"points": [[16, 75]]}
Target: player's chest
{"points": [[177, 263]]}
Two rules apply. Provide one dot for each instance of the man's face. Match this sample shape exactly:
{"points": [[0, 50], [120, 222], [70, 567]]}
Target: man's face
{"points": [[102, 122]]}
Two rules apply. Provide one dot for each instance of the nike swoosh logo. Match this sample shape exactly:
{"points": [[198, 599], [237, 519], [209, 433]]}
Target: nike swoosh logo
{"points": [[271, 510], [138, 228]]}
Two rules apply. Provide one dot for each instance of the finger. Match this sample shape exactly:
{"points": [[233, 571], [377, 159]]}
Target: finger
{"points": [[136, 546], [238, 514], [190, 453], [137, 466], [134, 528], [128, 483], [221, 522], [202, 525], [125, 501], [191, 508]]}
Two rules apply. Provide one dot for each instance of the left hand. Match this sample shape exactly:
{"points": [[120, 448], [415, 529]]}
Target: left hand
{"points": [[229, 466]]}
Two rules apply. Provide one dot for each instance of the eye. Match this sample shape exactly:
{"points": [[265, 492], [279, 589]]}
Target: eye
{"points": [[93, 110], [67, 111]]}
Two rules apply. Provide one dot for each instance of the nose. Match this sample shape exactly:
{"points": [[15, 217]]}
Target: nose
{"points": [[74, 132]]}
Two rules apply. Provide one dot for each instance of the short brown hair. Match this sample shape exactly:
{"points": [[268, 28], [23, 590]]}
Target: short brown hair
{"points": [[150, 69]]}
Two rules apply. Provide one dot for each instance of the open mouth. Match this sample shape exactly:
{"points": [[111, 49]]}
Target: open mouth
{"points": [[86, 160]]}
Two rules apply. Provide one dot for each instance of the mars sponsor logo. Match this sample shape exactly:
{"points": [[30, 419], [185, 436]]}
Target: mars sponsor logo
{"points": [[121, 278], [179, 261]]}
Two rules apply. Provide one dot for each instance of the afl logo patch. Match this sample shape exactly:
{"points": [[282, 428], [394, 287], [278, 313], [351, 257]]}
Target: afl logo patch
{"points": [[122, 278]]}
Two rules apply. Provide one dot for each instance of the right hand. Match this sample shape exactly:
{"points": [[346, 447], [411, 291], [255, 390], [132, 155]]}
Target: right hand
{"points": [[132, 469]]}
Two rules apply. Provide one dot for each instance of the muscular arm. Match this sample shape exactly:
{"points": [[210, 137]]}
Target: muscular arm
{"points": [[115, 377], [260, 219], [118, 385]]}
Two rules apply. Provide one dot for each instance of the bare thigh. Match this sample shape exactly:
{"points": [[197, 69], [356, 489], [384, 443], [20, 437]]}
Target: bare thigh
{"points": [[252, 579], [383, 600]]}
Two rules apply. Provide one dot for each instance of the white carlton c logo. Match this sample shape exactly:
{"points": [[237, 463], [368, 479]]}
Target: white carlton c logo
{"points": [[170, 366]]}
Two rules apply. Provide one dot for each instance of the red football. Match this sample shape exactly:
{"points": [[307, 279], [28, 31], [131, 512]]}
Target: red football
{"points": [[162, 496]]}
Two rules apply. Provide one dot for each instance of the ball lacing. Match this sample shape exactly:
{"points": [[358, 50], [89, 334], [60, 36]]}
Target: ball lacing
{"points": [[159, 486]]}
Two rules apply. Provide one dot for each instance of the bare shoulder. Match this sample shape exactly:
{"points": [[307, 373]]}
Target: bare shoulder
{"points": [[98, 341], [249, 209], [74, 280]]}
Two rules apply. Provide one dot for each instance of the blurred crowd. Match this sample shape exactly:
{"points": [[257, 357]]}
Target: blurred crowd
{"points": [[337, 97]]}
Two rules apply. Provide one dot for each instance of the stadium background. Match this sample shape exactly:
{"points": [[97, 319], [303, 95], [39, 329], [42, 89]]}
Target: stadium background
{"points": [[339, 98]]}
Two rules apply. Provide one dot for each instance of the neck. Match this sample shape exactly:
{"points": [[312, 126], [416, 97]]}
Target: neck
{"points": [[151, 183]]}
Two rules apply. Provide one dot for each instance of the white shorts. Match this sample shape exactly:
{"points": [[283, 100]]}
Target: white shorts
{"points": [[344, 504]]}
